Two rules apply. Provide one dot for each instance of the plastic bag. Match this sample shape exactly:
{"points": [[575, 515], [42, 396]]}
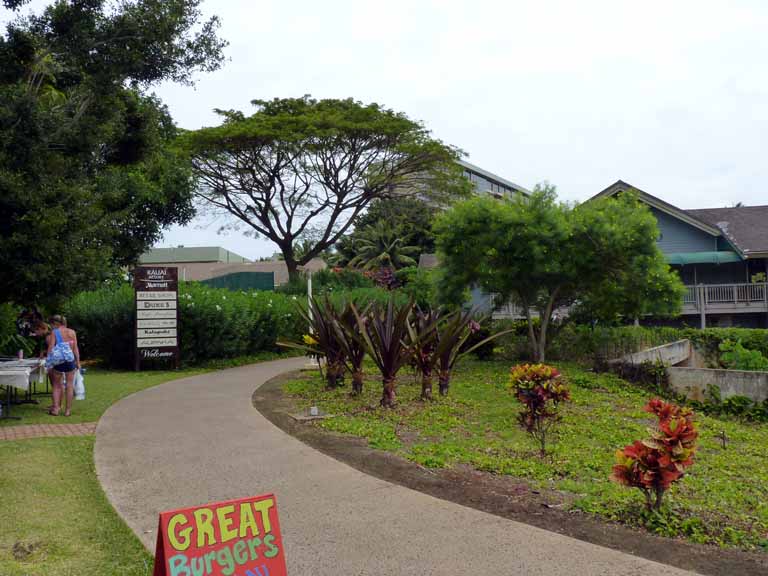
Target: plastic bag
{"points": [[79, 386]]}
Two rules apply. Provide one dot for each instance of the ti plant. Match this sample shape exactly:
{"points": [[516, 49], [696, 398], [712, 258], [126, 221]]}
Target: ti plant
{"points": [[653, 465], [323, 341], [385, 333], [438, 342], [452, 333], [540, 390], [423, 340], [352, 343]]}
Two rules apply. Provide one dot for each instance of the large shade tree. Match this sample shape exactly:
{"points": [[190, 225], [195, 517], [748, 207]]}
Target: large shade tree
{"points": [[305, 169], [546, 254], [87, 180]]}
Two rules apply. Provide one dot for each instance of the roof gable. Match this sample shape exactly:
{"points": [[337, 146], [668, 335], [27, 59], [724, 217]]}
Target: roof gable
{"points": [[683, 215]]}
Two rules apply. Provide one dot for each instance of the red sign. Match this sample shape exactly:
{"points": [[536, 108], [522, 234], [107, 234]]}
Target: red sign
{"points": [[234, 538]]}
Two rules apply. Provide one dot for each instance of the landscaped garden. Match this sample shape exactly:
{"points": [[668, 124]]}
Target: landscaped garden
{"points": [[720, 500]]}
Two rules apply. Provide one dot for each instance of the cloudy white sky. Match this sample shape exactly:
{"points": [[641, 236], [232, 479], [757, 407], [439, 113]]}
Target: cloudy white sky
{"points": [[669, 96]]}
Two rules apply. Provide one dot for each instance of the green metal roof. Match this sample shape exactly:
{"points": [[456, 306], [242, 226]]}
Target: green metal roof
{"points": [[190, 254], [721, 257]]}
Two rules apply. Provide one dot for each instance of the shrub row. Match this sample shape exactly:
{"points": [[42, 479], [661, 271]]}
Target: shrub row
{"points": [[214, 323], [582, 343]]}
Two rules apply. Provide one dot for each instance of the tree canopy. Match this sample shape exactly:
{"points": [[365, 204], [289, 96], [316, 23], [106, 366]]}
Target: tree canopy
{"points": [[87, 180], [546, 254], [306, 169]]}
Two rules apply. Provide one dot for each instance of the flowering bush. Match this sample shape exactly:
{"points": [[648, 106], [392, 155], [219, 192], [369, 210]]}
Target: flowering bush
{"points": [[653, 465], [540, 389]]}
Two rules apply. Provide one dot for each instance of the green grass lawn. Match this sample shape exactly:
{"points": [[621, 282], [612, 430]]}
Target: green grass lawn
{"points": [[55, 518], [723, 500]]}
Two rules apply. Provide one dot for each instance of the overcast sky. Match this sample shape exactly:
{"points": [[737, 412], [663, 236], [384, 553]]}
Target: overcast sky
{"points": [[668, 96]]}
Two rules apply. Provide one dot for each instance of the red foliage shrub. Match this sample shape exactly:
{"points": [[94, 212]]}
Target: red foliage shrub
{"points": [[540, 389], [654, 464]]}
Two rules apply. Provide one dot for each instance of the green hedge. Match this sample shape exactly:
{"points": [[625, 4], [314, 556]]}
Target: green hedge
{"points": [[589, 344], [214, 323]]}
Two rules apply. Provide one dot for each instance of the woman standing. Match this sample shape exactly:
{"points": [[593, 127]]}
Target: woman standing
{"points": [[63, 372]]}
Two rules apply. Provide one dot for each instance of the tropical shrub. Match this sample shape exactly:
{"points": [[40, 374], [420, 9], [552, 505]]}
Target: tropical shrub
{"points": [[541, 390], [352, 343], [323, 340], [423, 338], [385, 333], [653, 465], [734, 356], [452, 335]]}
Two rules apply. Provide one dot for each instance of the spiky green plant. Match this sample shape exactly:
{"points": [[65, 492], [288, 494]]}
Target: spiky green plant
{"points": [[423, 340], [352, 342], [385, 333], [323, 340]]}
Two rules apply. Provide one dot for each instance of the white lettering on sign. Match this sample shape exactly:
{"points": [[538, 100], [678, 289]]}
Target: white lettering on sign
{"points": [[156, 353], [162, 295], [155, 342], [143, 314], [156, 305], [157, 333], [162, 323]]}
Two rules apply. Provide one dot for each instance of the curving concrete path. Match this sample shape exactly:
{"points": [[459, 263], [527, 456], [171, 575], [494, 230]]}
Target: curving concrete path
{"points": [[198, 440]]}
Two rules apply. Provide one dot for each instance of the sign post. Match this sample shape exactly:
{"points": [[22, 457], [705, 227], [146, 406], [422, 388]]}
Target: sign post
{"points": [[232, 538], [157, 314]]}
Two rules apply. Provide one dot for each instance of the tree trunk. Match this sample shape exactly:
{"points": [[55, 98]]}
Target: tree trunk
{"points": [[426, 385], [533, 341], [444, 381], [659, 498], [357, 382], [293, 268], [545, 316], [388, 397], [333, 374]]}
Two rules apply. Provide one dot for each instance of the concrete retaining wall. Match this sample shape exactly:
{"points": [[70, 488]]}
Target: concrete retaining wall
{"points": [[668, 354], [688, 377], [694, 382]]}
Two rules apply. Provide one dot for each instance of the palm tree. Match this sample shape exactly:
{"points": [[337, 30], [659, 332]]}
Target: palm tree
{"points": [[378, 246]]}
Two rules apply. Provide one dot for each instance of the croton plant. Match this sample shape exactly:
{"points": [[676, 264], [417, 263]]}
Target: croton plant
{"points": [[654, 464]]}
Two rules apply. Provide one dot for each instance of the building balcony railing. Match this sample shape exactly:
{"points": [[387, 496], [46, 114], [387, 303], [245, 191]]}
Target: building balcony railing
{"points": [[701, 299], [726, 298]]}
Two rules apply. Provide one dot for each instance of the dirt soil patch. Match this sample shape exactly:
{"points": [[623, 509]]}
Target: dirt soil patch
{"points": [[502, 495]]}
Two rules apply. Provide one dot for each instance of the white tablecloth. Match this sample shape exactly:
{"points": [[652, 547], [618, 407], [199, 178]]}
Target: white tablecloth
{"points": [[19, 373]]}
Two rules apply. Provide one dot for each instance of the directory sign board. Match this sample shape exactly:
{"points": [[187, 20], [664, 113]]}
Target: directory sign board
{"points": [[157, 314], [232, 538]]}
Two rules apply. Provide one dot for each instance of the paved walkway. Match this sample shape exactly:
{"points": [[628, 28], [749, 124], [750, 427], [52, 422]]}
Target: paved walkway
{"points": [[40, 430], [199, 439]]}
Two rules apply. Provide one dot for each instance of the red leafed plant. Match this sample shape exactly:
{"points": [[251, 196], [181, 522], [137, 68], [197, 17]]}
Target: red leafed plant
{"points": [[540, 389], [654, 464]]}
